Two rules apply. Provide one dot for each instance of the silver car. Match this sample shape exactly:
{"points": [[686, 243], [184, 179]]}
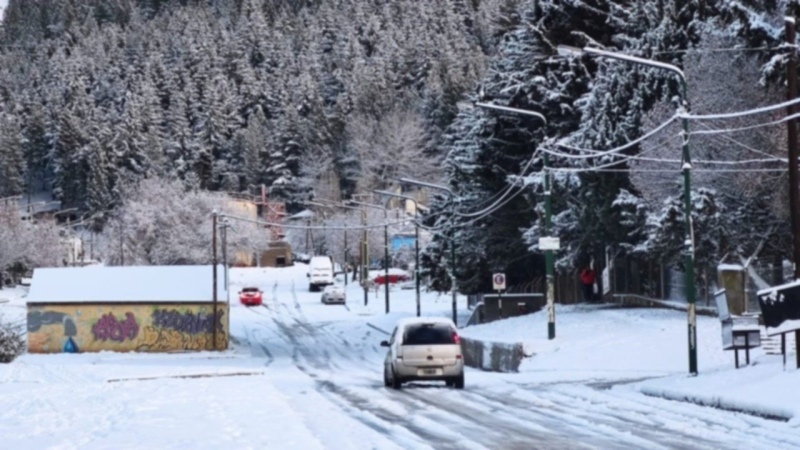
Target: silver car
{"points": [[426, 349], [333, 295]]}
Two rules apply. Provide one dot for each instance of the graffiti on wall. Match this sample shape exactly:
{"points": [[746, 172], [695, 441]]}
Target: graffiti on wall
{"points": [[125, 327], [108, 327], [183, 330], [186, 322], [37, 319]]}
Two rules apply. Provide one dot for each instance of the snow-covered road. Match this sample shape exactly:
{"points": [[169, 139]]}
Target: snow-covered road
{"points": [[301, 374], [327, 361]]}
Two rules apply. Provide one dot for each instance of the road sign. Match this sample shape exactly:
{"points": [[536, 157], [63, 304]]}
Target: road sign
{"points": [[499, 281], [549, 243]]}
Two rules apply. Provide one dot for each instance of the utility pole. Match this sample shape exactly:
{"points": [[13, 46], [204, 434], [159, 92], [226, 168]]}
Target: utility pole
{"points": [[386, 195], [385, 245], [214, 277], [549, 258], [686, 168], [224, 227], [345, 253], [364, 256], [791, 127], [451, 237]]}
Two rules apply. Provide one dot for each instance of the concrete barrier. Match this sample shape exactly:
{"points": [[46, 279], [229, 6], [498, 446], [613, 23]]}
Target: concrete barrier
{"points": [[492, 356]]}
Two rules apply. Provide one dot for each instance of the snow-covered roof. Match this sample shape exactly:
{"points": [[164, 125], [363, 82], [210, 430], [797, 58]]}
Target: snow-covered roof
{"points": [[135, 284], [785, 327], [778, 288], [722, 267]]}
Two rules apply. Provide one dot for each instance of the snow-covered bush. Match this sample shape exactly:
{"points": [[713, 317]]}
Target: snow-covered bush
{"points": [[25, 244], [12, 343]]}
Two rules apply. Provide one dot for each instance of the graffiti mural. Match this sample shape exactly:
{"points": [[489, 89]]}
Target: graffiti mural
{"points": [[108, 327], [183, 330], [37, 319], [186, 322], [76, 328]]}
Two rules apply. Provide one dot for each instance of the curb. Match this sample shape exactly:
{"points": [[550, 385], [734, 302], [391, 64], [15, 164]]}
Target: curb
{"points": [[638, 300], [717, 403]]}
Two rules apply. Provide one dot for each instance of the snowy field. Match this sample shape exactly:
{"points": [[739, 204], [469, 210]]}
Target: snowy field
{"points": [[305, 375]]}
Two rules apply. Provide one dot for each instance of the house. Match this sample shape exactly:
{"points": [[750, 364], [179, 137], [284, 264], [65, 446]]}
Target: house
{"points": [[127, 308], [279, 254]]}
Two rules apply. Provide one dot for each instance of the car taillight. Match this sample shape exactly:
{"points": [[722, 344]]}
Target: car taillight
{"points": [[456, 338], [459, 356]]}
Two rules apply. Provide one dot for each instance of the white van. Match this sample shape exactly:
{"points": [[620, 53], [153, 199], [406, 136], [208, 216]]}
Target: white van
{"points": [[320, 273]]}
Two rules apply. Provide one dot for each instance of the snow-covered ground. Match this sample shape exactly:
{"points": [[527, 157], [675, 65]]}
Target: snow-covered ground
{"points": [[305, 375]]}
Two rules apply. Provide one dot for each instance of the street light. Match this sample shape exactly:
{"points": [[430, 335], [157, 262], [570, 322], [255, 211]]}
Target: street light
{"points": [[385, 244], [549, 257], [687, 181], [452, 238], [416, 237]]}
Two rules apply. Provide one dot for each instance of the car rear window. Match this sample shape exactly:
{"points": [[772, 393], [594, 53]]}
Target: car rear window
{"points": [[428, 334], [250, 290]]}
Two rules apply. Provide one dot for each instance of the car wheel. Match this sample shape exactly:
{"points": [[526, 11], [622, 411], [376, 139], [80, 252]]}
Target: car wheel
{"points": [[397, 383], [386, 382], [459, 382], [449, 383]]}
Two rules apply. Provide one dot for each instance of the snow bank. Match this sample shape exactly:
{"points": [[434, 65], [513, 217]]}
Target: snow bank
{"points": [[763, 389]]}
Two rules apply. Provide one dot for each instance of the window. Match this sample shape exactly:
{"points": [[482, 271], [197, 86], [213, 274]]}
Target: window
{"points": [[428, 334]]}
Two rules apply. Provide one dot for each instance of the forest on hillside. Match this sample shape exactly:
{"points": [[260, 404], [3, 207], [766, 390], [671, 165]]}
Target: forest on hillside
{"points": [[326, 99], [305, 97]]}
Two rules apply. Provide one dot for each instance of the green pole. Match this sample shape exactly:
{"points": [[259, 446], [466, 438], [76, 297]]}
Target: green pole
{"points": [[416, 255], [689, 240], [548, 254], [386, 256], [453, 275]]}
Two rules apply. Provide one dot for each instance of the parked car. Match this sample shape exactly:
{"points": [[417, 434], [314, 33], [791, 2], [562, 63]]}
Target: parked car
{"points": [[424, 348], [333, 294], [251, 296], [393, 278]]}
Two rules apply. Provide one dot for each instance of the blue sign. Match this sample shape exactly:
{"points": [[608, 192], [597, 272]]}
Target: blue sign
{"points": [[401, 241]]}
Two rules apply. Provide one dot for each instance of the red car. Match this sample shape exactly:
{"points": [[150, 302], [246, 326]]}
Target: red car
{"points": [[393, 278], [251, 296]]}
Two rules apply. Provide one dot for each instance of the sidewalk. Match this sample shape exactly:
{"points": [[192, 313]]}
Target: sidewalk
{"points": [[646, 350]]}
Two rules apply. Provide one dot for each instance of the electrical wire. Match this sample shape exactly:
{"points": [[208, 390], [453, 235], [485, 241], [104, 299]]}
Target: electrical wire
{"points": [[722, 50], [494, 206], [734, 115], [601, 153]]}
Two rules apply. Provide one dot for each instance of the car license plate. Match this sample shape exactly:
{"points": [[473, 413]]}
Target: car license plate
{"points": [[432, 371]]}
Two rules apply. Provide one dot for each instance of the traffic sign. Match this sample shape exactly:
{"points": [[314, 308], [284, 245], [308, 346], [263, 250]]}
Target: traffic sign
{"points": [[499, 281], [549, 243]]}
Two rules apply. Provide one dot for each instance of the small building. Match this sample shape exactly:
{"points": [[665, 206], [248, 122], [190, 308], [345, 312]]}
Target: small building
{"points": [[127, 308], [279, 254]]}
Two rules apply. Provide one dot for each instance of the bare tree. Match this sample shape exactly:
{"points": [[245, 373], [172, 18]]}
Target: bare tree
{"points": [[27, 243], [161, 223], [389, 147]]}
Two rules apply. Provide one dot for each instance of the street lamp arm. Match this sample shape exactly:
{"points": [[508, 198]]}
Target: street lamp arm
{"points": [[513, 110], [634, 59], [437, 187]]}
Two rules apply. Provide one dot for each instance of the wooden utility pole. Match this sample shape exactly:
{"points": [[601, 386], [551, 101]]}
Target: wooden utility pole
{"points": [[792, 134], [214, 277]]}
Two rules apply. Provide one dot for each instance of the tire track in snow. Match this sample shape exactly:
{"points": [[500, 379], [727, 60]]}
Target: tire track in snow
{"points": [[460, 428]]}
